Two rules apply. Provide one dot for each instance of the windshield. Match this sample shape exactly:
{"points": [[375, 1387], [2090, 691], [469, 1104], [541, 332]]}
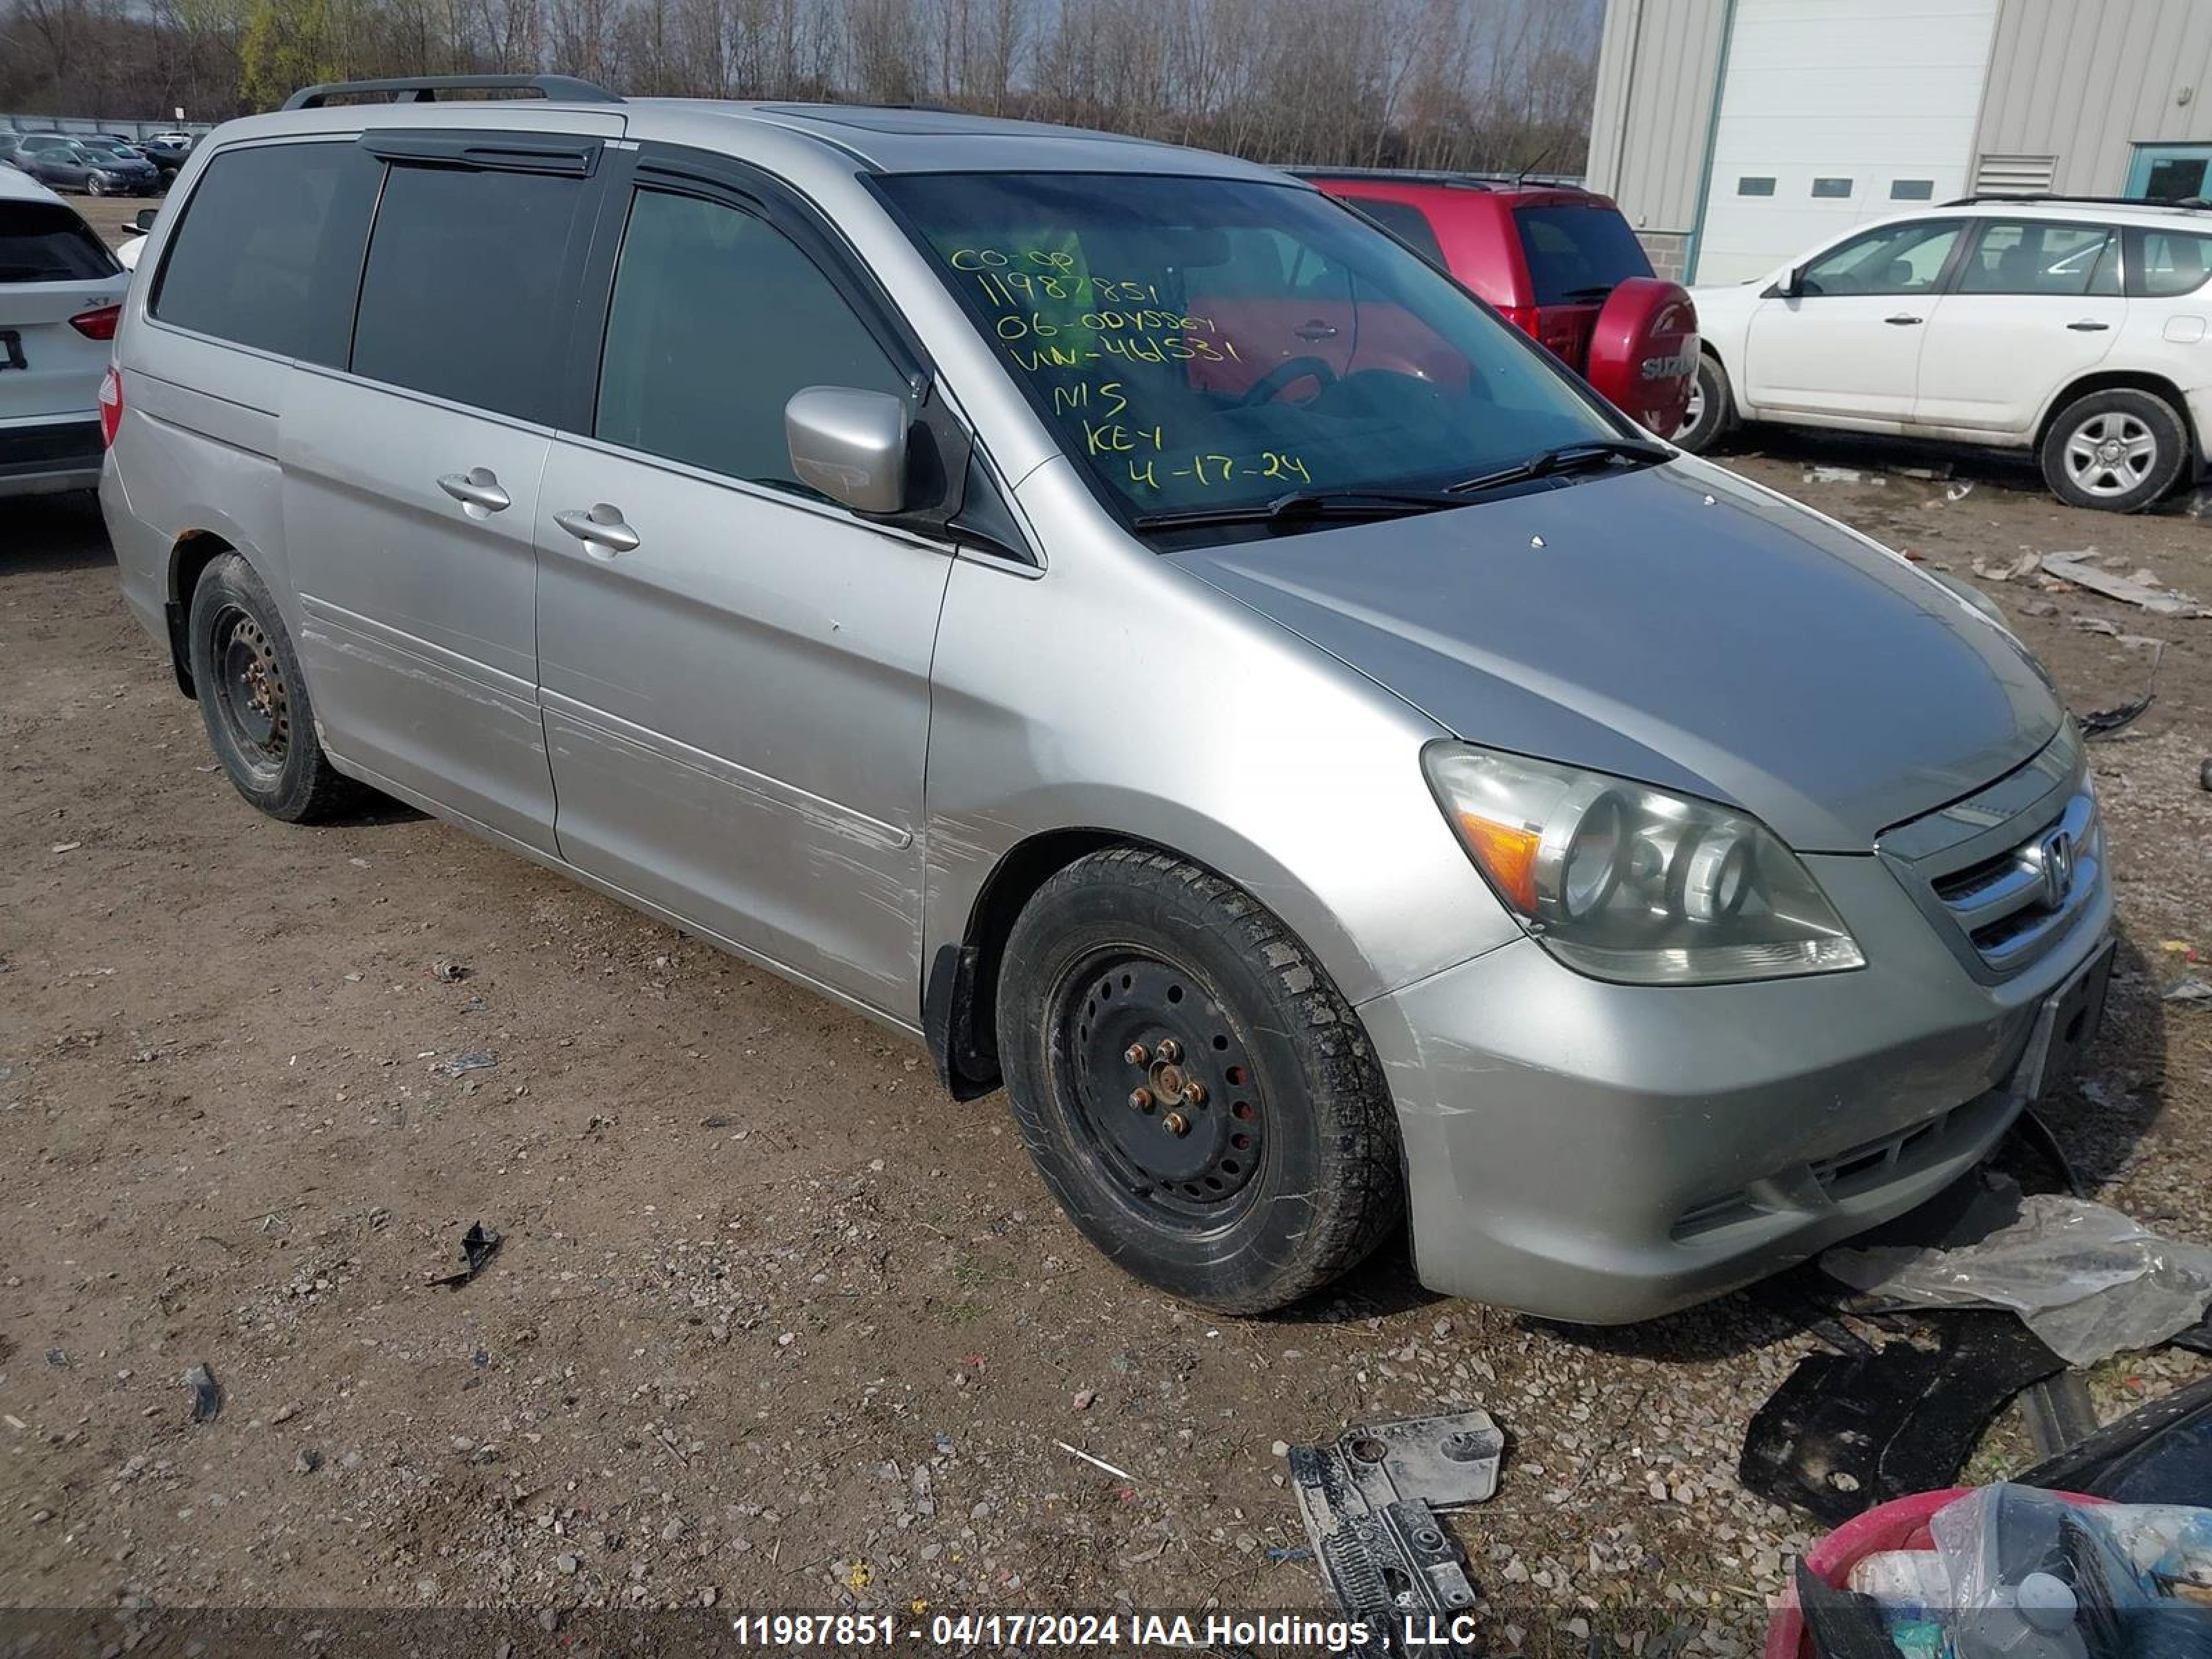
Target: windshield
{"points": [[1202, 344]]}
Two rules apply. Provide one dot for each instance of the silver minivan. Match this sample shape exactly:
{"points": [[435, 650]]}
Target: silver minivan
{"points": [[1118, 616]]}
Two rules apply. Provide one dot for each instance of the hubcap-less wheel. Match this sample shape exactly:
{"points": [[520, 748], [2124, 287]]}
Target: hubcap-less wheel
{"points": [[251, 692], [2111, 453], [1167, 1095]]}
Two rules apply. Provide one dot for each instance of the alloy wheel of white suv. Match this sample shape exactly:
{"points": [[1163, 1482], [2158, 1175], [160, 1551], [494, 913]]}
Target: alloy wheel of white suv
{"points": [[2120, 450]]}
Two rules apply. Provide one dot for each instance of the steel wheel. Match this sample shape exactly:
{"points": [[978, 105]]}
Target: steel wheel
{"points": [[2111, 453], [1166, 1095], [250, 692]]}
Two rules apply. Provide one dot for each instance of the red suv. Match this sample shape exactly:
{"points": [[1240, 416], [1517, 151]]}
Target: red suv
{"points": [[1560, 263]]}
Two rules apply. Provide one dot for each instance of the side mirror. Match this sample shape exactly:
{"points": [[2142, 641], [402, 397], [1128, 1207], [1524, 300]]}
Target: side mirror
{"points": [[1789, 286], [850, 445], [142, 221]]}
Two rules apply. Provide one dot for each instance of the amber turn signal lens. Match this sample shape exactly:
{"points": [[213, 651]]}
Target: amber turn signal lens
{"points": [[1507, 854]]}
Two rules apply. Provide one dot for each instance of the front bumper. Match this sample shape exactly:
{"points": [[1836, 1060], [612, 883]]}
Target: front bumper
{"points": [[1603, 1153]]}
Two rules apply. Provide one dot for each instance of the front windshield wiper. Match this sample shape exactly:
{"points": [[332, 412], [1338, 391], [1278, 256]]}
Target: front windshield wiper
{"points": [[1301, 504], [1567, 457]]}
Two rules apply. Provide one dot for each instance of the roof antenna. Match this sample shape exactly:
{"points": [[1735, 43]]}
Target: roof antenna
{"points": [[1541, 157]]}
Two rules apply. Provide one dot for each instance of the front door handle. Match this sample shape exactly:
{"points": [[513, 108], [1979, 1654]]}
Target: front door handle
{"points": [[2088, 327], [1901, 320], [1315, 332], [602, 531], [478, 487]]}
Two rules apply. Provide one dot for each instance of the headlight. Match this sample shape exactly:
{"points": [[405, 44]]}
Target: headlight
{"points": [[1624, 882]]}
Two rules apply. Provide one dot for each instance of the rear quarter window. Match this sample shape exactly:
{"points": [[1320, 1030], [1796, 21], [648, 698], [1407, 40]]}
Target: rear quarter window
{"points": [[2163, 264], [1578, 255], [45, 242], [268, 253]]}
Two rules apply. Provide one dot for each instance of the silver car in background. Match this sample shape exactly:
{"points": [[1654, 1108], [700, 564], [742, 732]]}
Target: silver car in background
{"points": [[1114, 614]]}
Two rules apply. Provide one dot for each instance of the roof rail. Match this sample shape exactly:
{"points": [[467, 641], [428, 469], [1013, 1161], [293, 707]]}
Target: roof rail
{"points": [[1445, 177], [425, 88], [2186, 205]]}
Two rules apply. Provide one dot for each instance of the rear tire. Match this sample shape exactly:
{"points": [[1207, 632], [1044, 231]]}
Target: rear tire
{"points": [[1131, 973], [2117, 451], [1710, 413], [254, 698]]}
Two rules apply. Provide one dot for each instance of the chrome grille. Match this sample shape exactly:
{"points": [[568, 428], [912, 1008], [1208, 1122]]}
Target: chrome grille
{"points": [[2005, 873]]}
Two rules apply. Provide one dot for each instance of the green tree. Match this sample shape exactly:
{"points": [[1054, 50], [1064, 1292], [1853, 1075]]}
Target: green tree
{"points": [[288, 44]]}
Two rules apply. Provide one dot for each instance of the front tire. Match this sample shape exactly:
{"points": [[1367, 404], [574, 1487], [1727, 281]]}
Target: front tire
{"points": [[2117, 451], [1198, 1097], [254, 698], [1710, 413]]}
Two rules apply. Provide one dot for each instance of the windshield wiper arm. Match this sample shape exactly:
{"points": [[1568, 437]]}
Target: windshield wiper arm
{"points": [[1567, 457], [1300, 504]]}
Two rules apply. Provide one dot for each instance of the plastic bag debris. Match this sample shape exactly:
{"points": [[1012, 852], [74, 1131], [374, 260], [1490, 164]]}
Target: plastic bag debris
{"points": [[2087, 1280], [2191, 993], [478, 1245], [473, 1061], [207, 1393]]}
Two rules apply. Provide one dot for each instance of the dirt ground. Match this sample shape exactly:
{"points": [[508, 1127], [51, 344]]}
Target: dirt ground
{"points": [[774, 1324]]}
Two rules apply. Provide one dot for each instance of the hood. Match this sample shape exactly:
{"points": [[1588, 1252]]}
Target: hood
{"points": [[1677, 626]]}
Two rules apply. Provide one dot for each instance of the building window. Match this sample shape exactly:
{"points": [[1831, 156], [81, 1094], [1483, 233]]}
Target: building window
{"points": [[1755, 186], [1831, 188], [1911, 190]]}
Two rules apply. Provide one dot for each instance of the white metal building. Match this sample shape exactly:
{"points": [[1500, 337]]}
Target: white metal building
{"points": [[1735, 133]]}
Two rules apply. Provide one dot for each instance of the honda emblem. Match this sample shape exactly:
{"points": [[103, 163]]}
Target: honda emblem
{"points": [[2055, 856]]}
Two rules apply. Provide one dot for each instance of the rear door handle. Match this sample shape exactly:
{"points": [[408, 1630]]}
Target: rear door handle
{"points": [[1901, 321], [602, 531], [478, 487], [2085, 326]]}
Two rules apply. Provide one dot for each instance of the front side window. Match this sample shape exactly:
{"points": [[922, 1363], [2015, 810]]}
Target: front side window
{"points": [[717, 318], [1204, 344], [2026, 257], [269, 249], [1906, 259], [2165, 263], [461, 294]]}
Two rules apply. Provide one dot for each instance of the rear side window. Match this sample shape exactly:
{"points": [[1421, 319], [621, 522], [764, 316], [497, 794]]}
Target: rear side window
{"points": [[2162, 264], [269, 247], [1407, 223], [2025, 257], [717, 318], [1578, 255], [461, 295], [45, 242]]}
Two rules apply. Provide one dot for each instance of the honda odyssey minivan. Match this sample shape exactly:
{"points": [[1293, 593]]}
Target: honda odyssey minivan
{"points": [[1112, 613]]}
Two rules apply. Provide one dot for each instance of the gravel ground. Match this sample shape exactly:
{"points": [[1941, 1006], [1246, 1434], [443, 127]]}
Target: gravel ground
{"points": [[774, 1324]]}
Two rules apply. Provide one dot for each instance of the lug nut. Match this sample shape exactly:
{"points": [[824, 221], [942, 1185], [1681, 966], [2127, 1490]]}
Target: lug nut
{"points": [[1141, 1099], [1135, 1053], [1194, 1093], [1170, 1050], [1175, 1124]]}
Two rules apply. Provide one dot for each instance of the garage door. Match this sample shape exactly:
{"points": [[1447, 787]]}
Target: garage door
{"points": [[1835, 112]]}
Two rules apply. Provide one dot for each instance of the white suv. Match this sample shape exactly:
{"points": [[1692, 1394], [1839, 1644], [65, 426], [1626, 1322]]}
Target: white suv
{"points": [[2072, 327], [60, 295]]}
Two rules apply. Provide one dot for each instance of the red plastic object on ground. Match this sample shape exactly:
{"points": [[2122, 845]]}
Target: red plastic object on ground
{"points": [[1902, 1525]]}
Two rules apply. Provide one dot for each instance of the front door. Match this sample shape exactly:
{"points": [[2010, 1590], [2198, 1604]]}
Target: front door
{"points": [[411, 481], [735, 671], [2032, 304], [1848, 343]]}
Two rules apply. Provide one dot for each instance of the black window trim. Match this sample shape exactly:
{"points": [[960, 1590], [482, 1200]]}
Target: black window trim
{"points": [[1983, 224]]}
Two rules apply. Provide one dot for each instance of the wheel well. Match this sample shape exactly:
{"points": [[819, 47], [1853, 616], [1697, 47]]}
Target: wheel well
{"points": [[196, 549], [2120, 380], [960, 1003]]}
